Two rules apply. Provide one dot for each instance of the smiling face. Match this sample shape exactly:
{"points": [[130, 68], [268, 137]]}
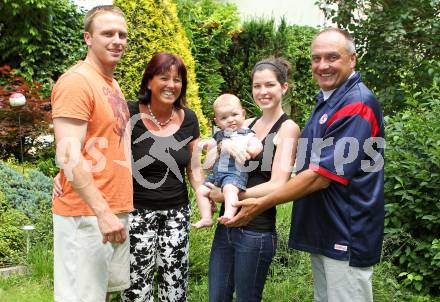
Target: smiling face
{"points": [[107, 39], [228, 112], [229, 117], [266, 89], [332, 62], [166, 87]]}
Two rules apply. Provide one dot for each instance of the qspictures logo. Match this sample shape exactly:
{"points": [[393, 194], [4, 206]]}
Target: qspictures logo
{"points": [[343, 152]]}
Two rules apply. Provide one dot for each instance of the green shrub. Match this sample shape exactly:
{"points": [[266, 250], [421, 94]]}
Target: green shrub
{"points": [[47, 166], [40, 38], [259, 39], [412, 190], [34, 116], [209, 26], [43, 233], [397, 43], [12, 237], [303, 88], [153, 26], [25, 193], [24, 200]]}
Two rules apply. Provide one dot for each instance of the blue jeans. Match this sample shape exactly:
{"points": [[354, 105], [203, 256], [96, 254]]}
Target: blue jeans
{"points": [[239, 262]]}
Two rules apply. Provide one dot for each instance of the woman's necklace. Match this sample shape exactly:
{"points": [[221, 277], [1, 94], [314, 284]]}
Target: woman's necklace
{"points": [[156, 121]]}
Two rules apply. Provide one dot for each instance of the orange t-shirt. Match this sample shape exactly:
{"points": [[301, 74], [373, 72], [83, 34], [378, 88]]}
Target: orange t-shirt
{"points": [[86, 94]]}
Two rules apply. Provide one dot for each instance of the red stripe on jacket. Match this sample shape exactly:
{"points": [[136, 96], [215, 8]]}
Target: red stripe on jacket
{"points": [[326, 173], [357, 109]]}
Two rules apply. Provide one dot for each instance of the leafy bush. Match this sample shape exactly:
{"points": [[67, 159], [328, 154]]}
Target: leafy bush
{"points": [[397, 43], [40, 38], [45, 160], [210, 26], [24, 199], [412, 190], [43, 233], [47, 166], [257, 40], [260, 39], [12, 237], [25, 193], [300, 96], [153, 26], [34, 116]]}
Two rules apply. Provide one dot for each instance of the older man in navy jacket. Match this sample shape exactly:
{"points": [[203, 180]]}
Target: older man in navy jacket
{"points": [[338, 190]]}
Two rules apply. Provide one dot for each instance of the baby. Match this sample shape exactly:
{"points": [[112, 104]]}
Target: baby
{"points": [[226, 172]]}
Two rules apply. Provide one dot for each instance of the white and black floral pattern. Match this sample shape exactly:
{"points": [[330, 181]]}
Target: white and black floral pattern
{"points": [[159, 242]]}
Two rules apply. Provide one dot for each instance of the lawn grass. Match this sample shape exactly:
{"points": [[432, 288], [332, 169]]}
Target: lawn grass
{"points": [[36, 284], [25, 288], [289, 280]]}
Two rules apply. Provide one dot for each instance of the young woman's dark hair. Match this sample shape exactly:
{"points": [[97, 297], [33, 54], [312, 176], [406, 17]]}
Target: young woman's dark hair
{"points": [[280, 66], [161, 62]]}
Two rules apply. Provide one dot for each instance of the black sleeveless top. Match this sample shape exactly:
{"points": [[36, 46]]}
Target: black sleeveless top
{"points": [[265, 222]]}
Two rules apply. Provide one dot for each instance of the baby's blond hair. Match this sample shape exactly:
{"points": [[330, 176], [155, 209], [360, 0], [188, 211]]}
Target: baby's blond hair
{"points": [[227, 99]]}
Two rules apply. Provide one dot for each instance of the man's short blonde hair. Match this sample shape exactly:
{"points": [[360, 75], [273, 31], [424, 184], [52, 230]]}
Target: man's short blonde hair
{"points": [[98, 10], [227, 99]]}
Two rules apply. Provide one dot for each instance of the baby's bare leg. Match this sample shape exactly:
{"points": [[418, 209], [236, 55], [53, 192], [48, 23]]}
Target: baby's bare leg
{"points": [[230, 192], [204, 205]]}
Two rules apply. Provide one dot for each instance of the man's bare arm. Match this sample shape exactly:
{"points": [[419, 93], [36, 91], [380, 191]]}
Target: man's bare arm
{"points": [[69, 135], [299, 186]]}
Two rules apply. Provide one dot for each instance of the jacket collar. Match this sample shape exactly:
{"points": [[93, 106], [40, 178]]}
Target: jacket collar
{"points": [[340, 91]]}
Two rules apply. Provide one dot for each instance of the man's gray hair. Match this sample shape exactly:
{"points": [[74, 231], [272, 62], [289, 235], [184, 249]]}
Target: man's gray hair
{"points": [[350, 46]]}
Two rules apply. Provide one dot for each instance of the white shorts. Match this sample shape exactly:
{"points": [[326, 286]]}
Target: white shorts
{"points": [[336, 281], [85, 269]]}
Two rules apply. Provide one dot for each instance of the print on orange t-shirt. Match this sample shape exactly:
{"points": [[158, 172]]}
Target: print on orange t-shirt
{"points": [[84, 93]]}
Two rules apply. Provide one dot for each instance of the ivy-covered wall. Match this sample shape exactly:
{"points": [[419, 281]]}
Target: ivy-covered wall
{"points": [[154, 27]]}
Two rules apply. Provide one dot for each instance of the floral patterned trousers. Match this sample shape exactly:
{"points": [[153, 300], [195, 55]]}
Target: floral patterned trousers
{"points": [[159, 242]]}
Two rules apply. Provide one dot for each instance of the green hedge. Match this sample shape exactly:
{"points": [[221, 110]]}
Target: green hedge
{"points": [[412, 190], [210, 27], [153, 26], [397, 43], [303, 88], [26, 193], [41, 38], [225, 55], [12, 237], [259, 39], [24, 199]]}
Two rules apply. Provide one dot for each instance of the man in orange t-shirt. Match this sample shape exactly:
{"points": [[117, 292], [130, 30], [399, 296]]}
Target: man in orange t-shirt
{"points": [[90, 118]]}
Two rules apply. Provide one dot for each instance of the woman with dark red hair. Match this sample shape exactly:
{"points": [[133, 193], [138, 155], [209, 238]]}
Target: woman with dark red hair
{"points": [[164, 136]]}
